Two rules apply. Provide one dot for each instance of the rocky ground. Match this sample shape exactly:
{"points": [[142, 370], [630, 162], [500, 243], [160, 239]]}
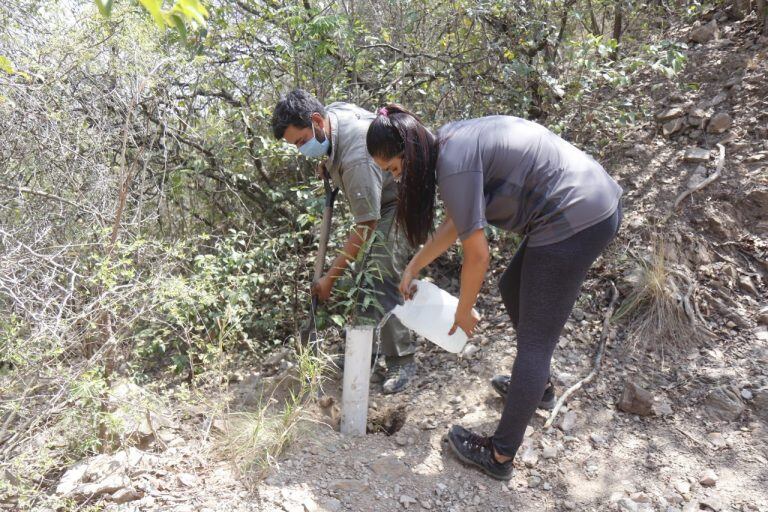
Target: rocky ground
{"points": [[687, 432]]}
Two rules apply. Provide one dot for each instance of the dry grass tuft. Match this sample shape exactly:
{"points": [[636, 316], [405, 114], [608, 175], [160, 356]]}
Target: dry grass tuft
{"points": [[660, 310], [253, 441]]}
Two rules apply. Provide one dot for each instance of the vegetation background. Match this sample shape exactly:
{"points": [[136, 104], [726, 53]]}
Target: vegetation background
{"points": [[153, 231]]}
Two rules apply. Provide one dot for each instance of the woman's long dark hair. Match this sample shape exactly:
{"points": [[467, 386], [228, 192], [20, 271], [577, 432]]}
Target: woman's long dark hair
{"points": [[395, 132]]}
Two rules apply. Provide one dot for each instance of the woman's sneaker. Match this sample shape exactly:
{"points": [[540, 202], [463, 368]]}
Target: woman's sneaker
{"points": [[500, 384], [477, 451]]}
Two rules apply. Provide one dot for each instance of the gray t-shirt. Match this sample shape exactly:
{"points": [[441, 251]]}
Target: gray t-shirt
{"points": [[352, 169], [518, 176]]}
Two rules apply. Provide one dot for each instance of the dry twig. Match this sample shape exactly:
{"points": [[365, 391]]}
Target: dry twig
{"points": [[598, 358], [718, 170]]}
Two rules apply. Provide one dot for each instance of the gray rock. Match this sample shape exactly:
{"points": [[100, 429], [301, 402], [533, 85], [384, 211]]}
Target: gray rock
{"points": [[708, 478], [330, 504], [636, 400], [760, 403], [696, 155], [530, 456], [697, 177], [723, 404], [719, 123], [406, 500], [534, 481], [71, 478], [390, 467], [186, 479], [673, 126], [348, 485], [697, 117], [711, 502], [469, 350], [683, 487], [627, 504], [568, 421], [549, 452], [746, 394], [717, 440], [309, 505], [109, 485], [703, 33], [126, 495], [670, 114], [597, 439]]}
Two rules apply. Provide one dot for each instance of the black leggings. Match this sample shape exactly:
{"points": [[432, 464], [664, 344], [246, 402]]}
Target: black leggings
{"points": [[539, 289]]}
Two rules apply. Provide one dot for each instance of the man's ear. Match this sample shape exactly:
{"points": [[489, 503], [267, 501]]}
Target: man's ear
{"points": [[318, 119]]}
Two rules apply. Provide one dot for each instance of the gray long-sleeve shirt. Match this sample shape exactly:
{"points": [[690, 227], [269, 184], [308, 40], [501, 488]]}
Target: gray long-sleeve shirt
{"points": [[517, 175]]}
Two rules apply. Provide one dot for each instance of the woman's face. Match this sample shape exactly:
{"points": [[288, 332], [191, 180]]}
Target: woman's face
{"points": [[393, 165]]}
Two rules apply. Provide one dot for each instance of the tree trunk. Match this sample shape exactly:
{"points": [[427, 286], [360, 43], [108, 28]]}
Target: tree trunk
{"points": [[592, 20], [617, 28]]}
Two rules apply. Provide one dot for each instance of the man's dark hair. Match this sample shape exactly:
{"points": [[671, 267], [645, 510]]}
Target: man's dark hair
{"points": [[295, 108]]}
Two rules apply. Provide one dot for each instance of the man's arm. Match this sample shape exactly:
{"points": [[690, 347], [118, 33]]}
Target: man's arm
{"points": [[358, 235]]}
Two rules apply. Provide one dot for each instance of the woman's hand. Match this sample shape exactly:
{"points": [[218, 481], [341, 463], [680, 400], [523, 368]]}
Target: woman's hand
{"points": [[467, 322], [407, 287]]}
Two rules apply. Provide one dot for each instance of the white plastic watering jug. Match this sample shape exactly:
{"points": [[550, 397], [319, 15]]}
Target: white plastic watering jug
{"points": [[430, 313]]}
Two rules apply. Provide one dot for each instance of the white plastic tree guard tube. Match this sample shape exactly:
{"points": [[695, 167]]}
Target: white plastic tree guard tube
{"points": [[357, 373]]}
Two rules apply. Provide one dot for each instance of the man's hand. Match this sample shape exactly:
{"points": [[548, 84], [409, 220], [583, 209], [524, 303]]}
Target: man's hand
{"points": [[467, 322], [322, 288], [321, 171]]}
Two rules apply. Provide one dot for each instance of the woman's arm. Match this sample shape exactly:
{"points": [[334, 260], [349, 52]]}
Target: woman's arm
{"points": [[445, 235], [473, 269]]}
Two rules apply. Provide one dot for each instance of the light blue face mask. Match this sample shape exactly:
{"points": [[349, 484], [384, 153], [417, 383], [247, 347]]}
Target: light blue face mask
{"points": [[313, 148]]}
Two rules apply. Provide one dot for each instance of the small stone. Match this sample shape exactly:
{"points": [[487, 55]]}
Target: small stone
{"points": [[569, 505], [708, 478], [747, 285], [309, 505], [724, 403], [469, 350], [578, 314], [406, 500], [682, 487], [673, 126], [636, 400], [597, 439], [186, 479], [703, 33], [627, 504], [719, 123], [425, 504], [717, 440], [746, 394], [549, 452], [696, 155], [534, 481], [711, 502], [568, 421], [126, 495], [330, 504], [530, 456], [547, 486], [348, 485], [669, 114], [390, 466], [71, 478]]}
